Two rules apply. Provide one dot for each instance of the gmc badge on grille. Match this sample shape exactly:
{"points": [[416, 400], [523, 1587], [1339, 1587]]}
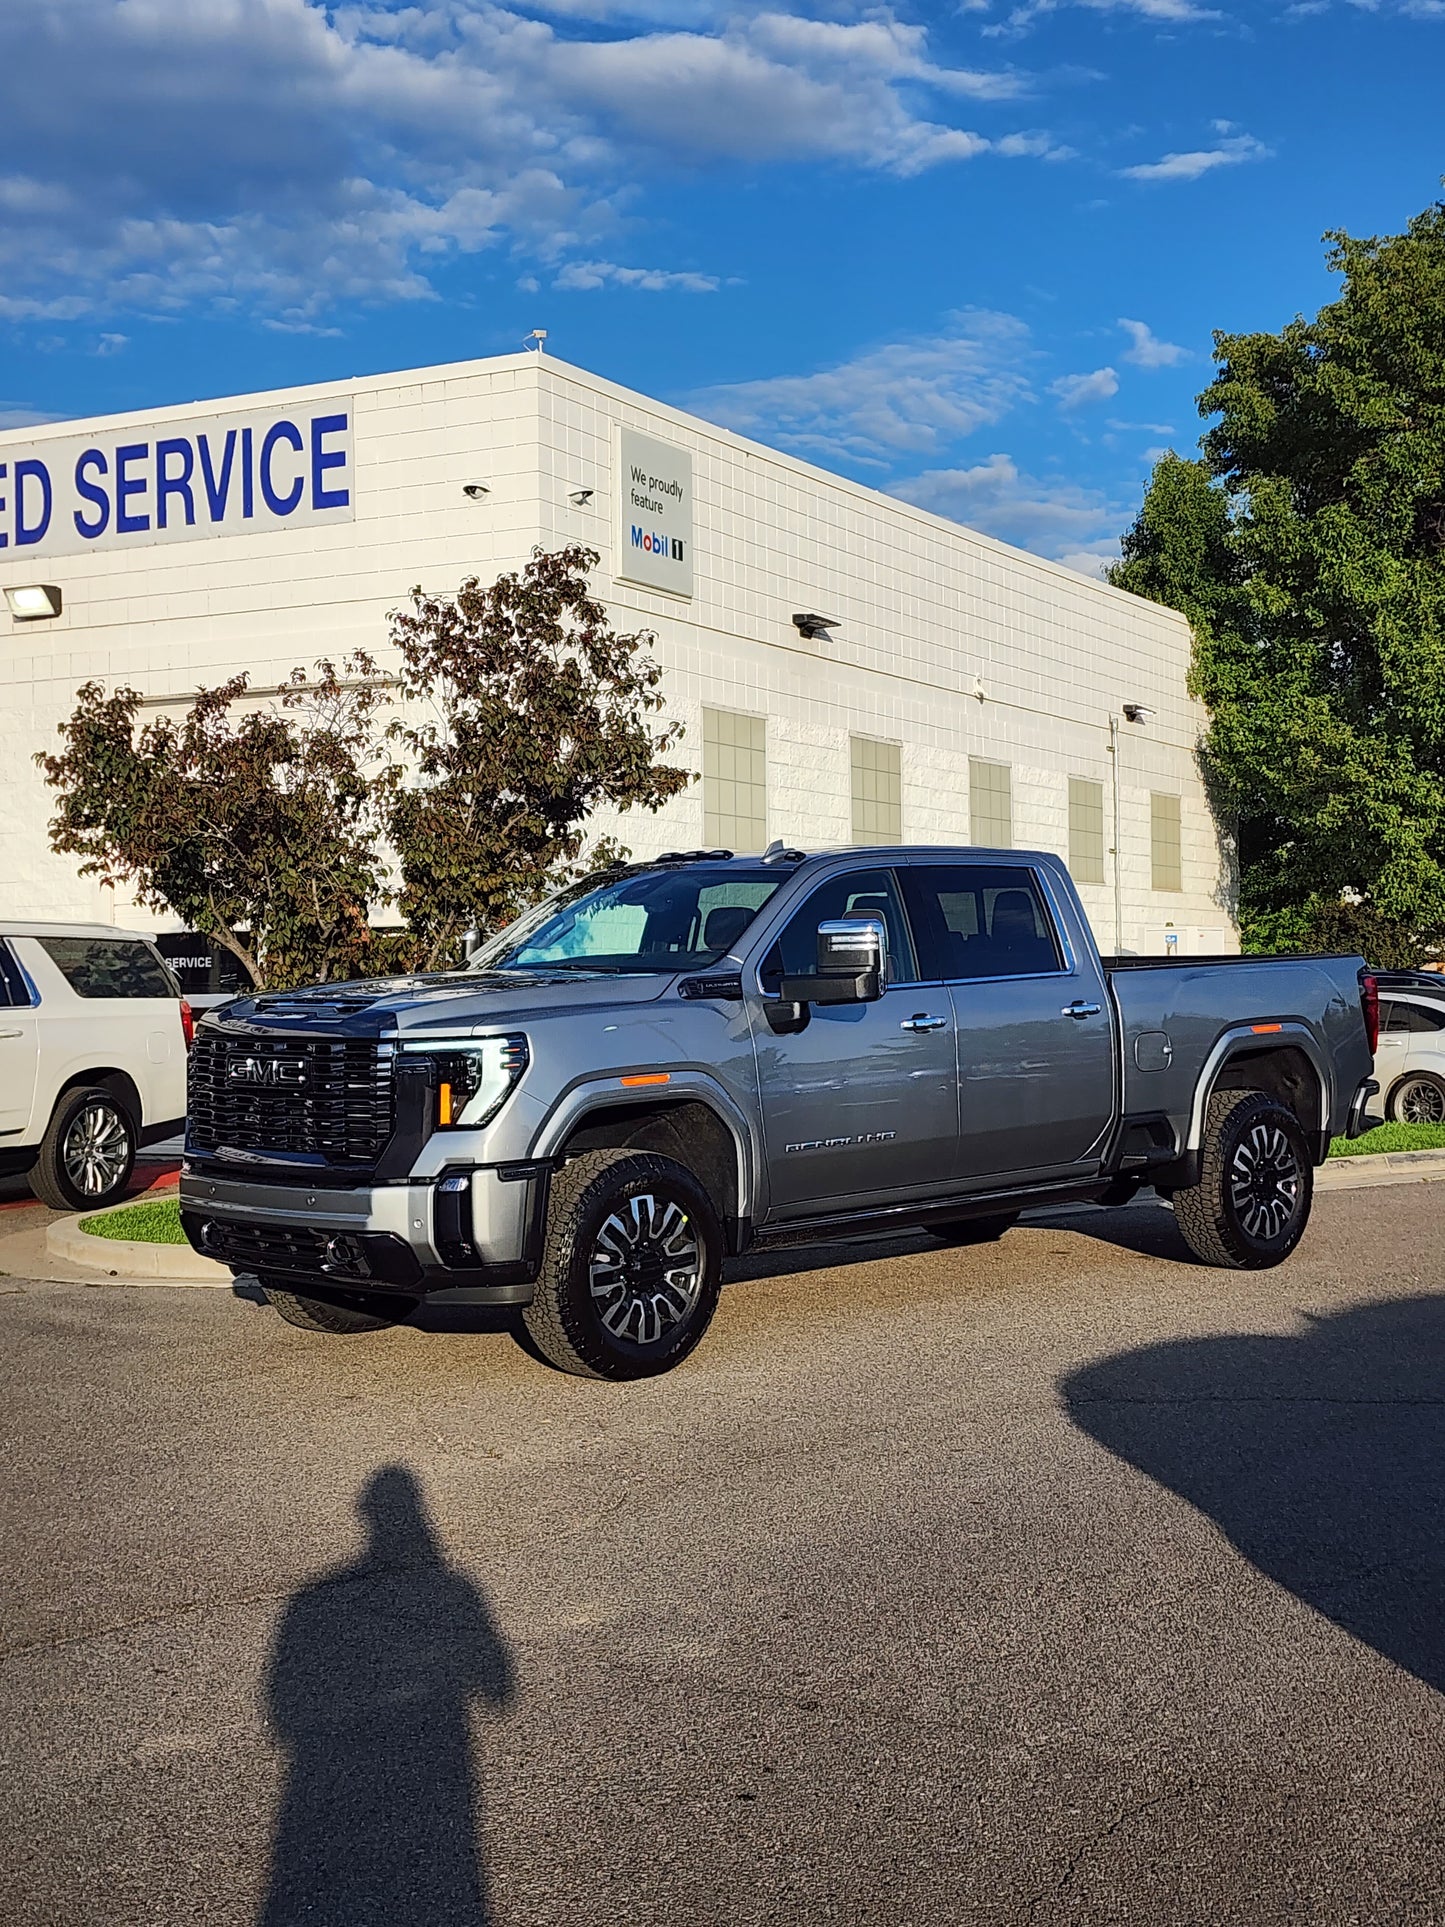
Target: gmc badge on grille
{"points": [[264, 1070]]}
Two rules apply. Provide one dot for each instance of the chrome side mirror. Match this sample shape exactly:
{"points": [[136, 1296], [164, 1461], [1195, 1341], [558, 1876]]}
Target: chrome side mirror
{"points": [[853, 947], [852, 964]]}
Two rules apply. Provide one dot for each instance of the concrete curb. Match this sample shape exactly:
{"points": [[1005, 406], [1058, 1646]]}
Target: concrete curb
{"points": [[129, 1262], [1383, 1167]]}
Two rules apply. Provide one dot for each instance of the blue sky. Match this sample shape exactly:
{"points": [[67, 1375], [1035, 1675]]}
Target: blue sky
{"points": [[970, 253]]}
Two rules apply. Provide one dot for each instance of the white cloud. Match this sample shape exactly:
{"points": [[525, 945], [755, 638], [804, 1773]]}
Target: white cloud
{"points": [[1163, 12], [1077, 391], [909, 395], [25, 417], [1188, 167], [1148, 351], [587, 275], [283, 155], [1068, 523]]}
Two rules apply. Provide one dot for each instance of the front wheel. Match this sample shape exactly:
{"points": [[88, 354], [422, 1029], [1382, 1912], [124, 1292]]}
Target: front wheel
{"points": [[1418, 1098], [87, 1154], [631, 1268], [1256, 1182], [338, 1314]]}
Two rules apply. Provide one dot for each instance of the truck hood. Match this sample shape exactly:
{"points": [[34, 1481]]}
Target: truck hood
{"points": [[446, 1001]]}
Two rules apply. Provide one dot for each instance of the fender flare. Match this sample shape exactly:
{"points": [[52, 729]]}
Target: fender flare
{"points": [[1233, 1043], [583, 1099]]}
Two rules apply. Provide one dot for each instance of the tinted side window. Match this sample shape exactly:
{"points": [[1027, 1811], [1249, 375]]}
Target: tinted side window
{"points": [[859, 893], [981, 921], [109, 967], [1415, 1017]]}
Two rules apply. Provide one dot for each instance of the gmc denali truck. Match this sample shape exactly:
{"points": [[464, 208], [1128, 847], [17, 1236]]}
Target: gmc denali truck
{"points": [[676, 1061]]}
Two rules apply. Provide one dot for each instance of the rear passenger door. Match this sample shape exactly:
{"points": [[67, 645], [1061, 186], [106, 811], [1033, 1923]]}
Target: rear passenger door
{"points": [[1032, 1020], [19, 1049]]}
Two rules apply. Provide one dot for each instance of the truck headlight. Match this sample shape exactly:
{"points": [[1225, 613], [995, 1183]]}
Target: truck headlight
{"points": [[474, 1077]]}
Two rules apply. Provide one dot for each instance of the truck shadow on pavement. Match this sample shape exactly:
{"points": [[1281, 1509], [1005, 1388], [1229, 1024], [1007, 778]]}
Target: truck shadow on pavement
{"points": [[1320, 1454], [371, 1683]]}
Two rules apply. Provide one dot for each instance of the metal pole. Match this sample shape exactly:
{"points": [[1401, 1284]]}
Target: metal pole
{"points": [[1118, 853]]}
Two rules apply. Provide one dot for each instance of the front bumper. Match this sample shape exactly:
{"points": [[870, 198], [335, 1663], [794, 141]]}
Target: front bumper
{"points": [[475, 1235]]}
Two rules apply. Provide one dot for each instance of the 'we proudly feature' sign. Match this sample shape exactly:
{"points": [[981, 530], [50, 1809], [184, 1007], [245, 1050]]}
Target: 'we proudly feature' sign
{"points": [[654, 514], [230, 475]]}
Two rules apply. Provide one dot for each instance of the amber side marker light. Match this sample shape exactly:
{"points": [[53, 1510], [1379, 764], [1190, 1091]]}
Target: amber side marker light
{"points": [[444, 1104], [651, 1077], [1264, 1030]]}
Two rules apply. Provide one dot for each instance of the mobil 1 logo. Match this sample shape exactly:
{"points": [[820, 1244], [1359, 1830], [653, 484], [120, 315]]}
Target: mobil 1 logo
{"points": [[654, 514]]}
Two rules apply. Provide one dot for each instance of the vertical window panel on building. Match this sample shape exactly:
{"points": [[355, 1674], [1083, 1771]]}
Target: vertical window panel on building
{"points": [[1086, 830], [877, 791], [734, 780], [1166, 856], [990, 804]]}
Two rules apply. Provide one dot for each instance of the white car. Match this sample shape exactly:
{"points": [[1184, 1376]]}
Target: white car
{"points": [[93, 1040], [1410, 1059]]}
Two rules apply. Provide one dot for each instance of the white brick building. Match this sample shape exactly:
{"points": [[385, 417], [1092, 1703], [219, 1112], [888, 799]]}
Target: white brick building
{"points": [[964, 691]]}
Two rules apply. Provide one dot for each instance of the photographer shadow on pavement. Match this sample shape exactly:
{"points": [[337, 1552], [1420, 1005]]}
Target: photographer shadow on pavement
{"points": [[375, 1671], [1321, 1455]]}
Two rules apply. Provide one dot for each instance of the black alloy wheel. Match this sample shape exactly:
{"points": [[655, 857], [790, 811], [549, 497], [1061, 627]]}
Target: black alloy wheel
{"points": [[1256, 1184], [1418, 1098], [631, 1268]]}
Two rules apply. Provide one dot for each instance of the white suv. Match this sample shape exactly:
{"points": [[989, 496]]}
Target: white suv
{"points": [[93, 1041]]}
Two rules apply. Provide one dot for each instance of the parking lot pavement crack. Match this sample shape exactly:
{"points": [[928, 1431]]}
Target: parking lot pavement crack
{"points": [[176, 1615], [1096, 1840]]}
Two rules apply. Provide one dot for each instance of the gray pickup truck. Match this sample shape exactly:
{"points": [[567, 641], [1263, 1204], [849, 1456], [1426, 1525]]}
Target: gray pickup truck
{"points": [[677, 1061]]}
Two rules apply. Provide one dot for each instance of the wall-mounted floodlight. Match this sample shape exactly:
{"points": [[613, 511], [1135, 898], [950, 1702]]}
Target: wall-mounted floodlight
{"points": [[814, 626], [580, 497], [34, 602], [1138, 713], [476, 491]]}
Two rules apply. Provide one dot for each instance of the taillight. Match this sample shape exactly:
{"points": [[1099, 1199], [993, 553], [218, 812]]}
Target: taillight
{"points": [[1370, 1005], [188, 1023]]}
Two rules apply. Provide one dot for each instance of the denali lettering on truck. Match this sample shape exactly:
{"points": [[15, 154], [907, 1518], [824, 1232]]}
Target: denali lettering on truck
{"points": [[226, 475], [653, 514]]}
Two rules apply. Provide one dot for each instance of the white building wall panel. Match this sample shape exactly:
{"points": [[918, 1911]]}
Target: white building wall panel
{"points": [[945, 641]]}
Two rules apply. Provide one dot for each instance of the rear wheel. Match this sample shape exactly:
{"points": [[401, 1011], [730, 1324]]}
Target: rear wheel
{"points": [[1418, 1098], [974, 1231], [87, 1154], [631, 1268], [1256, 1182], [338, 1314]]}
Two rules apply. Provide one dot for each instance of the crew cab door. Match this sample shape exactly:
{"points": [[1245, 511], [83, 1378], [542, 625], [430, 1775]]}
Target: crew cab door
{"points": [[860, 1105], [19, 1049], [1033, 1021]]}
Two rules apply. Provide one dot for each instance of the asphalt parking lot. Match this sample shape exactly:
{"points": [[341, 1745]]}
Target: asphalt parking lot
{"points": [[1059, 1581]]}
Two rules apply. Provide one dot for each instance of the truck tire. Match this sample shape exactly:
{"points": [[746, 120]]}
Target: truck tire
{"points": [[337, 1316], [974, 1231], [631, 1266], [87, 1154], [1418, 1098], [1256, 1182]]}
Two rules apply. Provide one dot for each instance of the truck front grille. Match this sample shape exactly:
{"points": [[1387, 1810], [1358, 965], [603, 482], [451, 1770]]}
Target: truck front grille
{"points": [[309, 1096]]}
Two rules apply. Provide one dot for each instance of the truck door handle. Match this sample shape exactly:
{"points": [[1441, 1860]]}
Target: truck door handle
{"points": [[12, 1033], [921, 1020], [1080, 1009]]}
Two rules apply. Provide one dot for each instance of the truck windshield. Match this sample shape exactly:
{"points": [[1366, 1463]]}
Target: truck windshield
{"points": [[655, 920]]}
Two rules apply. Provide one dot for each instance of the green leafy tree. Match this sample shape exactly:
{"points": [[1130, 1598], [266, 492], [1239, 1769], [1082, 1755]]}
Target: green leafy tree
{"points": [[257, 828], [526, 712], [1307, 547]]}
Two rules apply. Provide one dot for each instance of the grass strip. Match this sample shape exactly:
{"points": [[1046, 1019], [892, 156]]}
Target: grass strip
{"points": [[156, 1221]]}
